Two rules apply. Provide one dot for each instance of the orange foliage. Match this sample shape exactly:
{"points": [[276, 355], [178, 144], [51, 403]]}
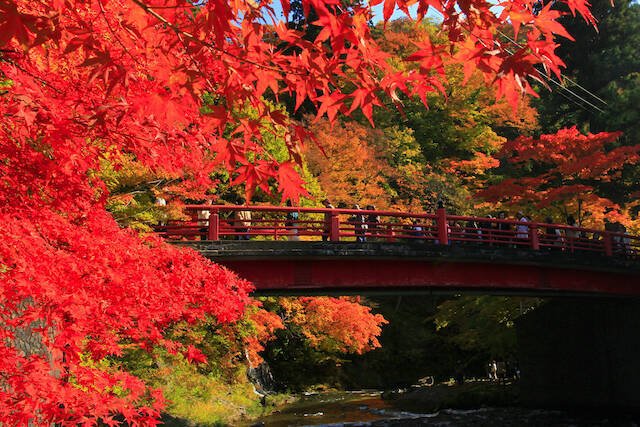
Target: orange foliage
{"points": [[352, 170], [573, 165], [335, 324], [479, 164], [265, 324]]}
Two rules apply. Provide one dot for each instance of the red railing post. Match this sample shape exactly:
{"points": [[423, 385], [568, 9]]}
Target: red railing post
{"points": [[607, 242], [214, 226], [334, 231], [533, 237], [390, 233], [443, 238]]}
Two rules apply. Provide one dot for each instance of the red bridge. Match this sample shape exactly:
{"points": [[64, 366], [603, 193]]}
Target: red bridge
{"points": [[281, 250]]}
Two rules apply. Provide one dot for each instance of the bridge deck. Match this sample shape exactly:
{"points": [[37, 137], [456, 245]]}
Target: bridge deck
{"points": [[361, 267], [308, 224]]}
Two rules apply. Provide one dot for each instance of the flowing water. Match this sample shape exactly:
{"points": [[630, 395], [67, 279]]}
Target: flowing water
{"points": [[367, 408]]}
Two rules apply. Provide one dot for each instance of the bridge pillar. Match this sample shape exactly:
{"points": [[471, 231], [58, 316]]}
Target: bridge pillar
{"points": [[581, 353], [607, 242], [214, 226], [443, 235], [533, 236], [334, 232]]}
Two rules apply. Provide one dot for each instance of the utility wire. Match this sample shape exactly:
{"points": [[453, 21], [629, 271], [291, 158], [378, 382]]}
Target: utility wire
{"points": [[568, 98], [550, 79], [560, 85]]}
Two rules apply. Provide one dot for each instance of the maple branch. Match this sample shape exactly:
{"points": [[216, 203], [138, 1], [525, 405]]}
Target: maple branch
{"points": [[211, 46], [194, 62], [41, 80], [170, 7], [116, 36]]}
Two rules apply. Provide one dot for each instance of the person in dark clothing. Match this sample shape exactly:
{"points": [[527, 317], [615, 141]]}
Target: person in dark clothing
{"points": [[327, 220], [487, 229], [292, 223], [553, 236], [359, 226], [418, 231], [471, 232], [504, 230], [624, 240], [373, 221]]}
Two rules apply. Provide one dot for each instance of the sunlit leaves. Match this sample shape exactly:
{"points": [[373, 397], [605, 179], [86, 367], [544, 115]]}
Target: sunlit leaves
{"points": [[164, 82], [564, 170]]}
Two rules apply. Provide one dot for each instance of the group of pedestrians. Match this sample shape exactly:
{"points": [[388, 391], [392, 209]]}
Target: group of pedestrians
{"points": [[503, 232], [366, 225], [497, 230]]}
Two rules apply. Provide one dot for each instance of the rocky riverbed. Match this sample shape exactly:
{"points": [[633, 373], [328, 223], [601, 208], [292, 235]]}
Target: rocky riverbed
{"points": [[470, 404]]}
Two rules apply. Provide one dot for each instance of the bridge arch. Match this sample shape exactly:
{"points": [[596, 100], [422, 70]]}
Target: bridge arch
{"points": [[373, 251]]}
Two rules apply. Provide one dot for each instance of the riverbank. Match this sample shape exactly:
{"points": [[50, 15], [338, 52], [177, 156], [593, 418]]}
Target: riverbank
{"points": [[416, 408], [470, 395], [371, 406]]}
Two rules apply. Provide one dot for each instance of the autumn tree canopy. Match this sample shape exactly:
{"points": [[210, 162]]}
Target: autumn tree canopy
{"points": [[566, 172], [85, 80]]}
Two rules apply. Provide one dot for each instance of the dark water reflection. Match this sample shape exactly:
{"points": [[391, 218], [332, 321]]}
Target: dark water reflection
{"points": [[367, 408]]}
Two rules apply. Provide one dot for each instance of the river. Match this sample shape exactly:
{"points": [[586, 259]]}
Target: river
{"points": [[367, 408]]}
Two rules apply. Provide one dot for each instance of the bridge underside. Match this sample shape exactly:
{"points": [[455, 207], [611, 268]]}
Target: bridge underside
{"points": [[282, 267]]}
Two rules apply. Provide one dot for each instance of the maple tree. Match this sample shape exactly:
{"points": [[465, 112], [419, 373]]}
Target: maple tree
{"points": [[319, 333], [348, 168], [604, 89], [334, 324], [85, 78], [565, 170], [385, 168]]}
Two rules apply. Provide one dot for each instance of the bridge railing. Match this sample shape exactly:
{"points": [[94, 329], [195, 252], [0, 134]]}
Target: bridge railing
{"points": [[216, 222]]}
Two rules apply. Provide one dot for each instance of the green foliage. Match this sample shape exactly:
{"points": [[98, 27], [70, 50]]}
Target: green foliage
{"points": [[275, 147], [132, 192], [217, 393], [483, 324], [411, 347]]}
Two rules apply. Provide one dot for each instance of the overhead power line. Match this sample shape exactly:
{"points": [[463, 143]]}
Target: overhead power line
{"points": [[560, 85]]}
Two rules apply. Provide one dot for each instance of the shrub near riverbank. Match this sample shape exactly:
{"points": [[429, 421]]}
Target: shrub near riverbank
{"points": [[206, 398]]}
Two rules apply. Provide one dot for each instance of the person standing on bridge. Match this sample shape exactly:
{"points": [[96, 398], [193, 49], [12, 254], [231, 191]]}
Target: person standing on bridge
{"points": [[486, 229], [625, 240], [522, 230], [242, 221], [372, 221], [292, 223], [358, 224], [553, 235], [572, 234], [327, 220], [204, 214], [203, 219], [161, 204], [504, 229]]}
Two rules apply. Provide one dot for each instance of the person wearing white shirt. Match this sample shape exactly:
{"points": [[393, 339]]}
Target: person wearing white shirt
{"points": [[522, 231]]}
